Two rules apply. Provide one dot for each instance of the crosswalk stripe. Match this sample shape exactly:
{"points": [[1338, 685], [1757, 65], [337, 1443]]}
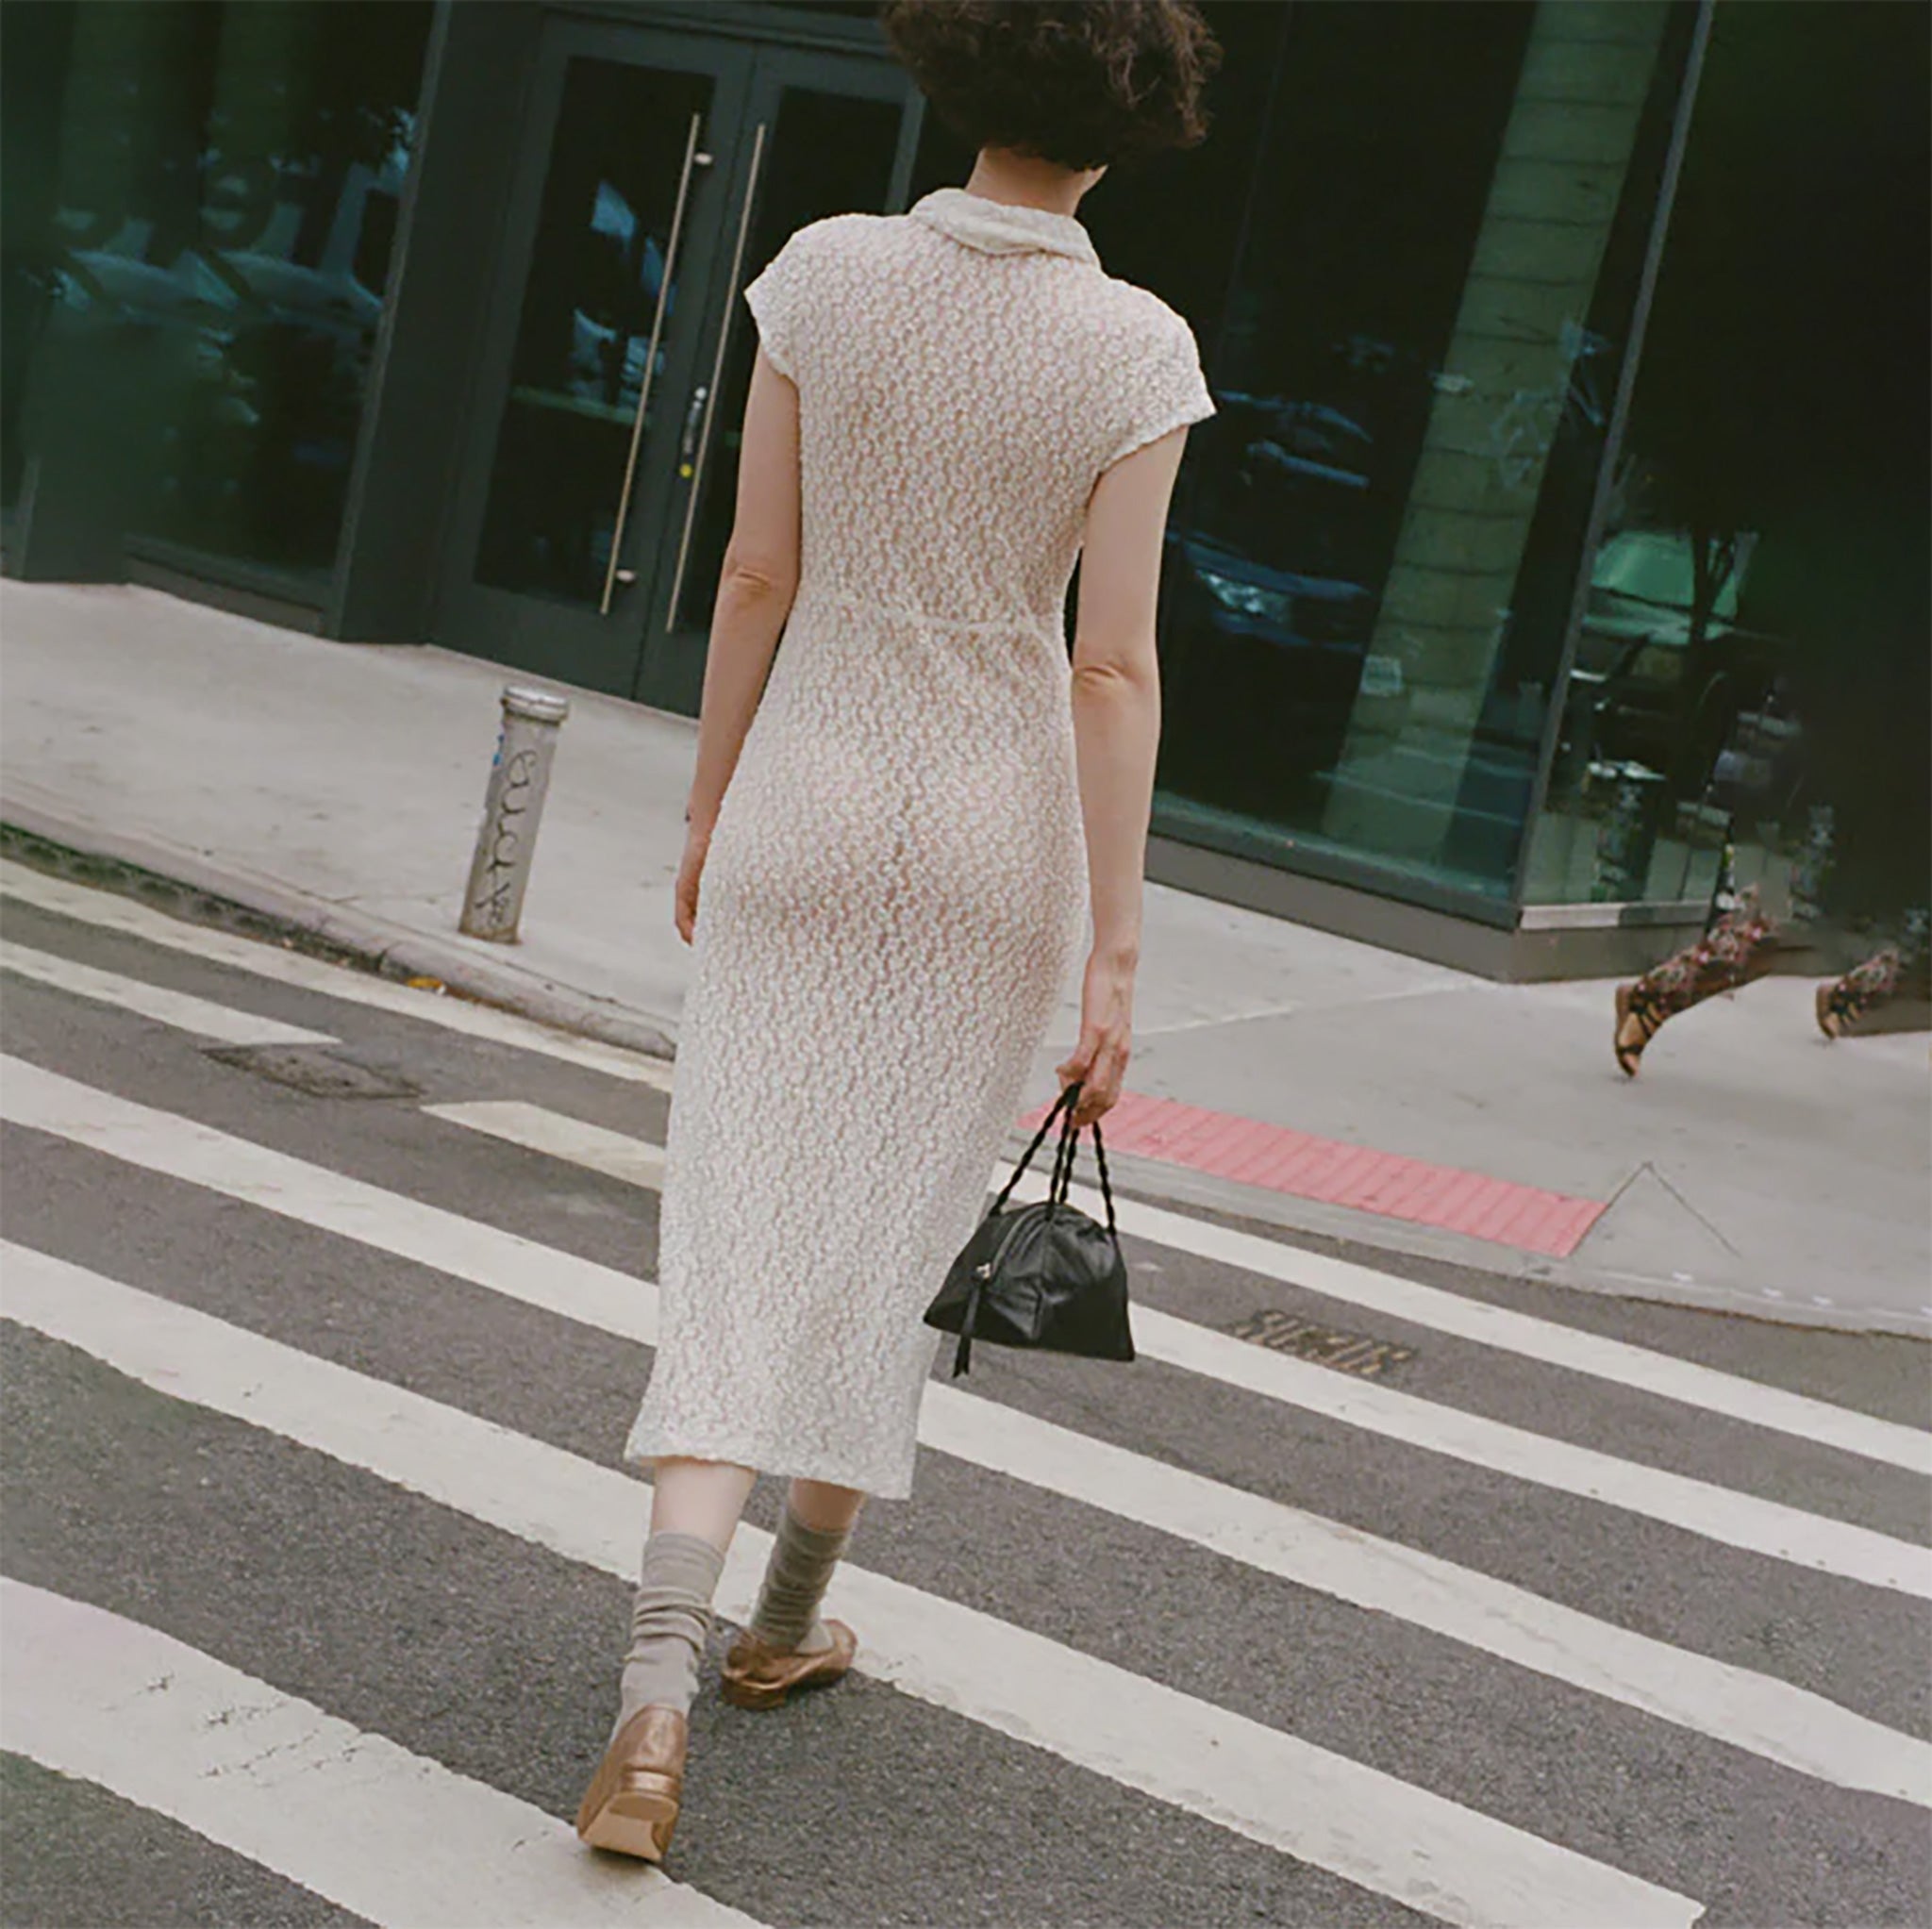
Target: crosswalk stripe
{"points": [[1734, 1396], [1817, 1422], [392, 1835], [185, 1013], [160, 1141], [332, 1202], [617, 1154], [1549, 1341], [1423, 1850], [1732, 1704], [1758, 1713], [1742, 1521], [1718, 1513], [109, 912]]}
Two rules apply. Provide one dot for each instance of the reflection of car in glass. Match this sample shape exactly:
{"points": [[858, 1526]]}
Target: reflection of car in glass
{"points": [[257, 358], [1644, 689], [1265, 651], [1295, 482], [1642, 587], [1315, 443], [1241, 597], [218, 290], [1275, 581], [1266, 581]]}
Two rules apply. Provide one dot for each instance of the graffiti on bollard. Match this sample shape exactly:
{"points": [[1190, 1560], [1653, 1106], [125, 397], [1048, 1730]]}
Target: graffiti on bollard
{"points": [[512, 811]]}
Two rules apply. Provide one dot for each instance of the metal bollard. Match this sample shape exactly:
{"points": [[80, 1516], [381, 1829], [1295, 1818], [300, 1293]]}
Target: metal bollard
{"points": [[512, 811]]}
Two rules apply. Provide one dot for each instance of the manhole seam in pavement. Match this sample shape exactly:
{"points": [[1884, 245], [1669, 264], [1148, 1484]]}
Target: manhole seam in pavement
{"points": [[1348, 1352], [310, 1070]]}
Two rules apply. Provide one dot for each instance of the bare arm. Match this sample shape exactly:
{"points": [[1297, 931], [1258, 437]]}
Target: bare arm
{"points": [[1117, 734], [756, 585]]}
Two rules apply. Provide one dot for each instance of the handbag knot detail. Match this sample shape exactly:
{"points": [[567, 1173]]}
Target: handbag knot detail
{"points": [[1042, 1275]]}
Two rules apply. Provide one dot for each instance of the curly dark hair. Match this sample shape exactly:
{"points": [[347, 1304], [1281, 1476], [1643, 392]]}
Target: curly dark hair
{"points": [[1082, 83]]}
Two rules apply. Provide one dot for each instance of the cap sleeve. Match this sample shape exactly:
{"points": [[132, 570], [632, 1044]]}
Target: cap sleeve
{"points": [[776, 299], [1164, 389]]}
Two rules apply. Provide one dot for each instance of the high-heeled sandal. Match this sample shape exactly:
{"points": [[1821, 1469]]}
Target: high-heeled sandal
{"points": [[1639, 1008], [757, 1675], [632, 1802], [1834, 1009]]}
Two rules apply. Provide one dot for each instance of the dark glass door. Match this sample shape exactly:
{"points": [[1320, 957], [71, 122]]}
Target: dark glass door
{"points": [[660, 170], [610, 241], [823, 134]]}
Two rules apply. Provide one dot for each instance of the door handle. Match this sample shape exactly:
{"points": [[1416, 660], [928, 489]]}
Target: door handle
{"points": [[694, 470], [693, 160], [693, 417]]}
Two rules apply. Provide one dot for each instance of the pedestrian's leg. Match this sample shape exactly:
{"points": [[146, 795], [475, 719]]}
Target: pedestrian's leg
{"points": [[632, 1802], [787, 1646], [1862, 988], [695, 1510], [1737, 949], [702, 1497], [1903, 969], [812, 1541]]}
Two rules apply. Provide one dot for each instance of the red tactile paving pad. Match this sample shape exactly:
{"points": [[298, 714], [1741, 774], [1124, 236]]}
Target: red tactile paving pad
{"points": [[1338, 1174]]}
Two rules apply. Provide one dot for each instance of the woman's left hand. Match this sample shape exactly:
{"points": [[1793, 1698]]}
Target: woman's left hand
{"points": [[697, 844]]}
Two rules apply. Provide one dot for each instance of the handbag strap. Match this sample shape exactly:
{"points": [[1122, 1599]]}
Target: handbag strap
{"points": [[1063, 1157], [1063, 1167], [1106, 1186], [1064, 1102], [1062, 1162]]}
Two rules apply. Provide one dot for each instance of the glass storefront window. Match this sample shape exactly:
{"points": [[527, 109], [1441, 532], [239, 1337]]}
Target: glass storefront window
{"points": [[214, 252], [1368, 580], [1751, 671], [33, 55]]}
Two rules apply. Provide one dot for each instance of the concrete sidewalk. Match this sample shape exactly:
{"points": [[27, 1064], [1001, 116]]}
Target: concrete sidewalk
{"points": [[1752, 1166]]}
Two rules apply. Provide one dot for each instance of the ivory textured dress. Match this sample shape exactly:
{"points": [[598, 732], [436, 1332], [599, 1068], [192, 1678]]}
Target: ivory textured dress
{"points": [[895, 895]]}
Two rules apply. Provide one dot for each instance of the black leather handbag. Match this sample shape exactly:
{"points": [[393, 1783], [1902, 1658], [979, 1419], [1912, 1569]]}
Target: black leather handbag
{"points": [[1042, 1275]]}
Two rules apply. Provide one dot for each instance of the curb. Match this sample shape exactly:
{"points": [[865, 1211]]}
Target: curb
{"points": [[151, 868], [1342, 1232]]}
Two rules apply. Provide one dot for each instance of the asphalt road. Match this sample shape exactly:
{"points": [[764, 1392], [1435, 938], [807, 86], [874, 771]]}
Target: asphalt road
{"points": [[1464, 1604]]}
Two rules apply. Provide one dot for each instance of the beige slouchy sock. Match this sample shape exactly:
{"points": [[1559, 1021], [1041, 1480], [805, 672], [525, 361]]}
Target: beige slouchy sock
{"points": [[796, 1577], [671, 1616]]}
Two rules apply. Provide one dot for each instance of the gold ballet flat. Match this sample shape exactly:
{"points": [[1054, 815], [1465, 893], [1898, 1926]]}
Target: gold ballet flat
{"points": [[757, 1675], [631, 1804]]}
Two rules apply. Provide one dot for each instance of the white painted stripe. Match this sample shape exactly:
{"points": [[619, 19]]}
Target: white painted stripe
{"points": [[1685, 1381], [1370, 1828], [1550, 1341], [1663, 1373], [350, 1815], [1751, 1711], [157, 1141], [617, 1154], [1722, 1514], [580, 1290], [112, 913], [1758, 1713], [1736, 1520], [178, 1008]]}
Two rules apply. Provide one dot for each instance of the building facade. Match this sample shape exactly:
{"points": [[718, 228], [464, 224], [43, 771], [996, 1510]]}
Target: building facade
{"points": [[1498, 599]]}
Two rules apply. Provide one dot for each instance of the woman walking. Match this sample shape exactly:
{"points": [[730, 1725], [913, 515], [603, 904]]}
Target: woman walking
{"points": [[895, 842]]}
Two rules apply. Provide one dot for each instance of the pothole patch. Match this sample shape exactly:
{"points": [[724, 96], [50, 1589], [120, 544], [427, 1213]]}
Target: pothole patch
{"points": [[314, 1072]]}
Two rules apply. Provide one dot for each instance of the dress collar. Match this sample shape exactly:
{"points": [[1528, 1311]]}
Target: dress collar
{"points": [[1004, 228]]}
